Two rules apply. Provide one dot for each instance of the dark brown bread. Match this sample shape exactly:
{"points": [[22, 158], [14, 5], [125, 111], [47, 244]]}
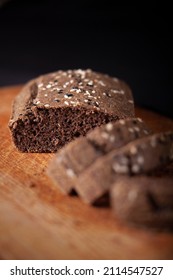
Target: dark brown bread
{"points": [[75, 157], [58, 107], [140, 156], [144, 200]]}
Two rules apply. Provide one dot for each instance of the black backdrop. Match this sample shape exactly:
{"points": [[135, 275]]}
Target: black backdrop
{"points": [[130, 41]]}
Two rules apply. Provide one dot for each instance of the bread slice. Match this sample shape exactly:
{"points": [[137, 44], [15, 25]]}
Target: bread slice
{"points": [[144, 200]]}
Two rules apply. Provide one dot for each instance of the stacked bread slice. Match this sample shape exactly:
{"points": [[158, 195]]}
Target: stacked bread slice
{"points": [[125, 163], [71, 163]]}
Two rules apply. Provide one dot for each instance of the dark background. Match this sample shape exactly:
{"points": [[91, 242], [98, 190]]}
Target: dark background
{"points": [[130, 41]]}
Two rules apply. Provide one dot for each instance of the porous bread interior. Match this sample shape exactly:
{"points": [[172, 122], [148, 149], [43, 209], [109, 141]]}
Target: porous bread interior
{"points": [[48, 129]]}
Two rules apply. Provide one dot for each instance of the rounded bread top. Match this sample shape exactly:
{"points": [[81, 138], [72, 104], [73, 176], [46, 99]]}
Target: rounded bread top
{"points": [[84, 88]]}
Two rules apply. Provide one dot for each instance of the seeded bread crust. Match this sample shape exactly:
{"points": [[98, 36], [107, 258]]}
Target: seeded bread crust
{"points": [[78, 155], [55, 108], [145, 201], [140, 156]]}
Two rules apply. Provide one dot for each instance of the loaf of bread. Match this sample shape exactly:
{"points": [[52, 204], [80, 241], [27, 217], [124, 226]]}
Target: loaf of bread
{"points": [[53, 109]]}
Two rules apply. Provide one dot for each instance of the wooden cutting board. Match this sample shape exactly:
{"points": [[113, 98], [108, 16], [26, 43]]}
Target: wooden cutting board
{"points": [[38, 222]]}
